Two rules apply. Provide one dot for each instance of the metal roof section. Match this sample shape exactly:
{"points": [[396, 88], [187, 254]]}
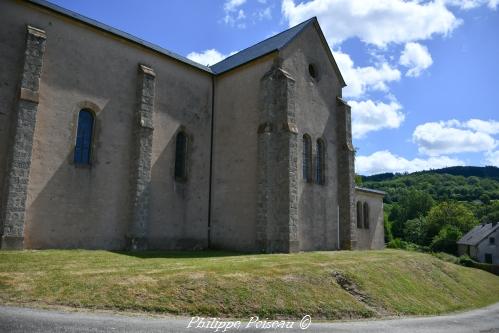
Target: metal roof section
{"points": [[127, 36], [478, 233], [368, 190], [260, 49]]}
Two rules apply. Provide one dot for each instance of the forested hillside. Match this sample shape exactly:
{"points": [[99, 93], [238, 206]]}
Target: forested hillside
{"points": [[433, 209]]}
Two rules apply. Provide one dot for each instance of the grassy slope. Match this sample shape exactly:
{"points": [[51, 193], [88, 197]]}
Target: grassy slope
{"points": [[233, 285]]}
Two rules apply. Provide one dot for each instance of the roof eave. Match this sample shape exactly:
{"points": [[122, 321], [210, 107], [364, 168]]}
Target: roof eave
{"points": [[103, 27]]}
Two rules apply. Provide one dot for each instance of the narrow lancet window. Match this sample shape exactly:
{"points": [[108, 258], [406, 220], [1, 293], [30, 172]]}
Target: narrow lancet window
{"points": [[84, 132], [366, 215], [181, 157], [307, 158], [359, 214]]}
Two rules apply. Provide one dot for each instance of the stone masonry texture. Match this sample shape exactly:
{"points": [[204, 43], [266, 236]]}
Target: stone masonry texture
{"points": [[13, 211], [141, 160], [346, 183], [277, 163]]}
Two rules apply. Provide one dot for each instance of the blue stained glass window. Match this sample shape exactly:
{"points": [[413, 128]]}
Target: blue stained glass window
{"points": [[84, 133]]}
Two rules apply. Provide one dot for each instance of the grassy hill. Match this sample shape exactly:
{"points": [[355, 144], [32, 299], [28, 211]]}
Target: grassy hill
{"points": [[455, 183], [326, 285]]}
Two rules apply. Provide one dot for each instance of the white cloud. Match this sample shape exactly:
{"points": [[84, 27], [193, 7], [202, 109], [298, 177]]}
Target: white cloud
{"points": [[265, 13], [369, 116], [361, 79], [447, 138], [373, 21], [385, 161], [470, 4], [493, 158], [232, 5], [208, 57], [484, 126], [233, 14], [416, 57]]}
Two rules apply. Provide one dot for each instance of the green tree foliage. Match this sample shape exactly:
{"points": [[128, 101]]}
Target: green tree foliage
{"points": [[488, 213], [415, 230], [358, 180], [446, 240], [439, 186], [412, 205], [452, 214], [433, 209]]}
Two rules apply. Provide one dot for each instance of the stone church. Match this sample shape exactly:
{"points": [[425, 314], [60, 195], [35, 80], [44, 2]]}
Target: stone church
{"points": [[110, 142]]}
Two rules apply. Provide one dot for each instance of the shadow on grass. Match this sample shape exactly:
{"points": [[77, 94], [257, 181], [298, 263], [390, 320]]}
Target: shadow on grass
{"points": [[180, 254]]}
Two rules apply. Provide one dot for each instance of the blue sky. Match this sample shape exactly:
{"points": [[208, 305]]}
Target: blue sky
{"points": [[423, 76]]}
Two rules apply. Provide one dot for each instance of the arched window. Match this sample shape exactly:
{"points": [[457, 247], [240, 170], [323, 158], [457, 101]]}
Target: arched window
{"points": [[359, 214], [84, 132], [366, 215], [181, 156], [307, 158], [319, 174]]}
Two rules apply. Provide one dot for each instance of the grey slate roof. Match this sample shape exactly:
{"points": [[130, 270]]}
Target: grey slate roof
{"points": [[369, 190], [258, 50], [104, 27], [251, 53], [478, 233]]}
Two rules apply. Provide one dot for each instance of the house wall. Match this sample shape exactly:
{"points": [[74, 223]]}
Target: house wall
{"points": [[372, 238], [235, 155], [485, 247], [315, 106], [74, 207]]}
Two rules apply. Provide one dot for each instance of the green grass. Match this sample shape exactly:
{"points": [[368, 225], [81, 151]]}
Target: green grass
{"points": [[236, 285]]}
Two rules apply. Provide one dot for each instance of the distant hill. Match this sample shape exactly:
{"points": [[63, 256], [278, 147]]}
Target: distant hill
{"points": [[465, 171], [454, 183]]}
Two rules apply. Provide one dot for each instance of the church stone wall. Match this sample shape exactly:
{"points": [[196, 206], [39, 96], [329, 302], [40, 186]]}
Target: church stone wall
{"points": [[315, 108], [69, 206], [235, 156], [372, 238]]}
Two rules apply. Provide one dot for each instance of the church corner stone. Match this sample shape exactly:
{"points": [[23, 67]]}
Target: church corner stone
{"points": [[15, 191], [277, 211], [140, 179]]}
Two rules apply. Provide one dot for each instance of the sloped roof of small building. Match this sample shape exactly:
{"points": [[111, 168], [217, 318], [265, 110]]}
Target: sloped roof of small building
{"points": [[269, 45], [478, 233], [369, 190]]}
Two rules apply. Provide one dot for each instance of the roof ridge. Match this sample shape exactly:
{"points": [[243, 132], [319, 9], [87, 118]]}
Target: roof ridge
{"points": [[305, 23], [262, 48]]}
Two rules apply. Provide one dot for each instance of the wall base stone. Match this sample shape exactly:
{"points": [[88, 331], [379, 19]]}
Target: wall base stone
{"points": [[137, 243], [12, 243]]}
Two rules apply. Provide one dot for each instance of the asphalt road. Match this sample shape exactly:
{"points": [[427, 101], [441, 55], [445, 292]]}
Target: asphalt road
{"points": [[13, 319]]}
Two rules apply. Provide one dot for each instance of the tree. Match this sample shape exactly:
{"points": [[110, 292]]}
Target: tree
{"points": [[446, 240], [415, 231], [358, 180], [485, 198], [452, 214], [412, 205]]}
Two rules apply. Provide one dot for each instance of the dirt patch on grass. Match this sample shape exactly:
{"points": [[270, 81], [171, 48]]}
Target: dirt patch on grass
{"points": [[353, 289]]}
